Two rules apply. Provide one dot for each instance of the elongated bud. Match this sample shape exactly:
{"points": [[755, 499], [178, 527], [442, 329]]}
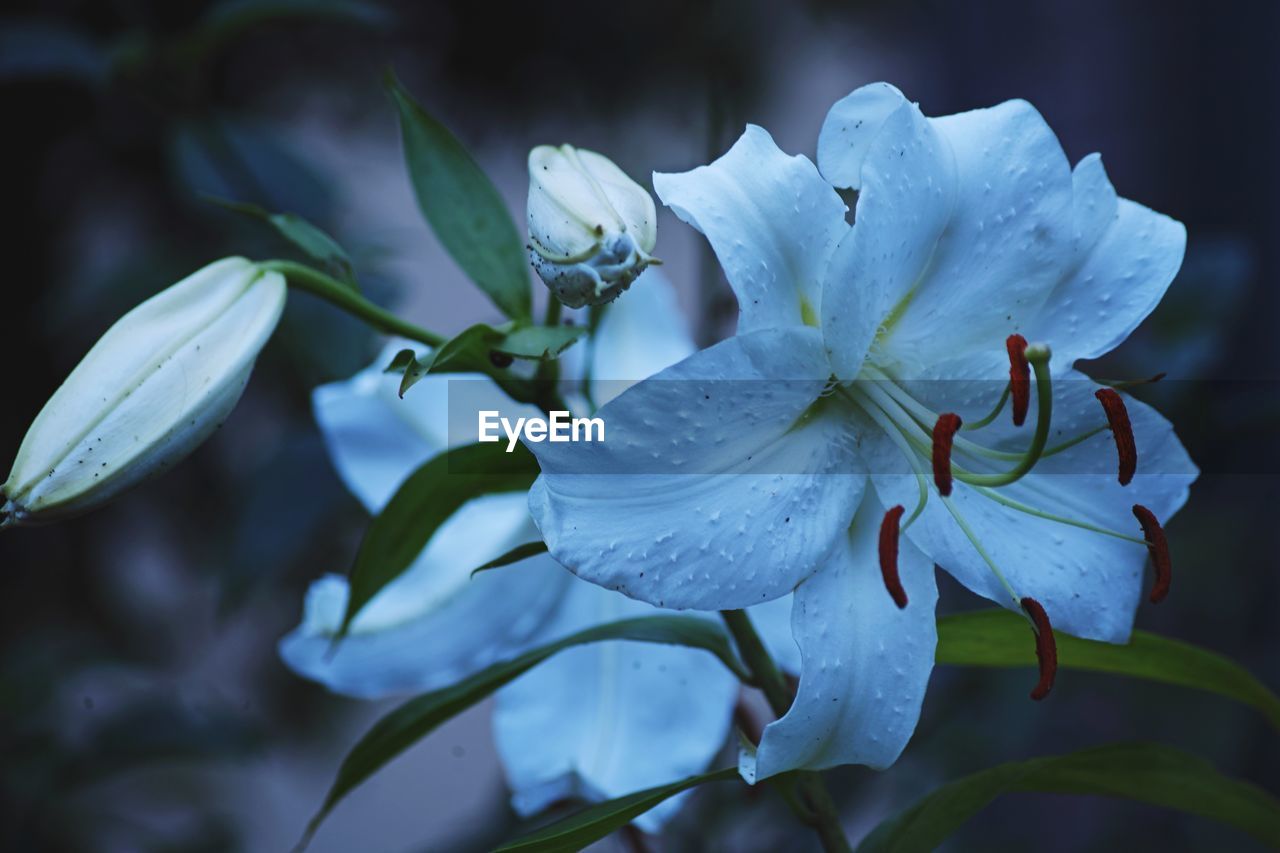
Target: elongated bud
{"points": [[153, 387], [591, 228]]}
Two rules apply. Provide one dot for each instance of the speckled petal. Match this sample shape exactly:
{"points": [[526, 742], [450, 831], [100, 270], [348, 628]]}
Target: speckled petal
{"points": [[1003, 233], [866, 663], [1089, 583], [608, 719], [722, 481], [773, 222], [1129, 256]]}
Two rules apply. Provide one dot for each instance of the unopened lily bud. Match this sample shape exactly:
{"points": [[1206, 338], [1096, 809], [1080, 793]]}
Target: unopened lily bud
{"points": [[591, 228], [154, 387]]}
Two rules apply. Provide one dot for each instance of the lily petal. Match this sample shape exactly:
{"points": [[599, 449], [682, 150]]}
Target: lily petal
{"points": [[1004, 233], [772, 621], [434, 624], [1129, 256], [643, 332], [772, 221], [866, 663], [608, 719], [1088, 582], [724, 480], [902, 212]]}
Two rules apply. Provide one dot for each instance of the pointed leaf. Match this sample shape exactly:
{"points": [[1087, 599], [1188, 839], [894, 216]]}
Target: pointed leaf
{"points": [[515, 555], [591, 824], [1146, 772], [473, 350], [463, 207], [312, 241], [423, 502], [418, 717], [1000, 638]]}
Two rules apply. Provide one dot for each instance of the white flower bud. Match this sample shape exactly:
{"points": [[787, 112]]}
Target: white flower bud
{"points": [[153, 387], [591, 228]]}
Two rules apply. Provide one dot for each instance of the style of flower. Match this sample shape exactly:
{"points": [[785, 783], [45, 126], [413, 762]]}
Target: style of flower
{"points": [[845, 440], [582, 724]]}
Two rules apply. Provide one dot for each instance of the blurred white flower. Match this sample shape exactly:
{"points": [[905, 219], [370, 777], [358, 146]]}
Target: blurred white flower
{"points": [[160, 380], [591, 228], [596, 721]]}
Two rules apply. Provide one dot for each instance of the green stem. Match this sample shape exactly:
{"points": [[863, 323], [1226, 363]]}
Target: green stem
{"points": [[343, 296], [548, 372], [821, 813]]}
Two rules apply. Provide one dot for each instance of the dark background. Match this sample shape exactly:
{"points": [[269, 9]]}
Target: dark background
{"points": [[142, 706]]}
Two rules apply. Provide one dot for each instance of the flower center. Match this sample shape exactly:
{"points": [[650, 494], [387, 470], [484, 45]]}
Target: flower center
{"points": [[920, 433]]}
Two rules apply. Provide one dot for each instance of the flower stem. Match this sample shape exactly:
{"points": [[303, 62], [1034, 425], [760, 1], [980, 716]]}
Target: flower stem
{"points": [[548, 372], [345, 297], [821, 813]]}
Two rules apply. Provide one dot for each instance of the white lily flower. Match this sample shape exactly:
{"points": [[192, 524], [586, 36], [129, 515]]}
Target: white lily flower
{"points": [[591, 228], [742, 473], [596, 721], [154, 387]]}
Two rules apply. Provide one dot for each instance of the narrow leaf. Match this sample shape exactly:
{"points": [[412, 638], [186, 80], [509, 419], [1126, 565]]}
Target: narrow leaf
{"points": [[312, 241], [418, 717], [591, 824], [1000, 638], [423, 502], [515, 555], [473, 349], [463, 207], [1146, 772]]}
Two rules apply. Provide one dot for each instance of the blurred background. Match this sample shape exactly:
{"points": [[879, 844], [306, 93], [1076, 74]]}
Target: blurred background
{"points": [[142, 705]]}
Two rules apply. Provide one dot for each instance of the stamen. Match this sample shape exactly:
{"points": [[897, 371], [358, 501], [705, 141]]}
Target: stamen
{"points": [[944, 432], [889, 556], [1046, 647], [1159, 548], [1019, 377], [1121, 430]]}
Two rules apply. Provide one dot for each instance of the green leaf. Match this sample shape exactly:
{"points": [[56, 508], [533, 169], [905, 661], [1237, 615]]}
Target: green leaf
{"points": [[418, 717], [591, 824], [1001, 638], [1147, 772], [406, 363], [312, 241], [423, 502], [515, 555], [539, 342], [471, 351], [463, 207]]}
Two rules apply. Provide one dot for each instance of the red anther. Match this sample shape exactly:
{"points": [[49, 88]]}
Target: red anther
{"points": [[944, 431], [1019, 377], [1158, 546], [889, 556], [1121, 430], [1046, 647]]}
